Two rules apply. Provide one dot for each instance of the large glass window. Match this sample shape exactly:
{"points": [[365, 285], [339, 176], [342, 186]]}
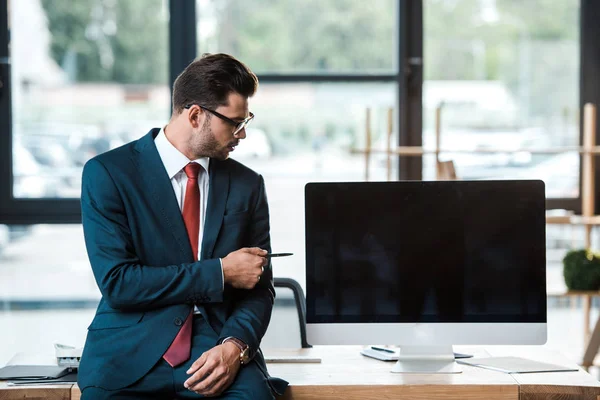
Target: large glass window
{"points": [[87, 76], [312, 36], [506, 74]]}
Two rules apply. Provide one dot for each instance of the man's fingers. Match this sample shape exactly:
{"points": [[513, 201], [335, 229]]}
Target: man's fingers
{"points": [[200, 375], [197, 364], [215, 389], [205, 384], [194, 380], [211, 384], [220, 385], [256, 251]]}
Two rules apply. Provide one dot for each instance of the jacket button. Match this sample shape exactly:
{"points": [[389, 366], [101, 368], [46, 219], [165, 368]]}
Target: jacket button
{"points": [[178, 321]]}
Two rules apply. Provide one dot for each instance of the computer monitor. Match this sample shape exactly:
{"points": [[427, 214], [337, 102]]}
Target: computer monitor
{"points": [[426, 265]]}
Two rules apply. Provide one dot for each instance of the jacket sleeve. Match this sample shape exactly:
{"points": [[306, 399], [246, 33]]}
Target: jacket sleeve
{"points": [[125, 283], [252, 313]]}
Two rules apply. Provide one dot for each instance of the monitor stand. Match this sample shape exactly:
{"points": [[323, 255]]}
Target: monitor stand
{"points": [[426, 360]]}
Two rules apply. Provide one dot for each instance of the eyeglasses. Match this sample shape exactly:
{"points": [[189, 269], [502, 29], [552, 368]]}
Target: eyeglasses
{"points": [[236, 124]]}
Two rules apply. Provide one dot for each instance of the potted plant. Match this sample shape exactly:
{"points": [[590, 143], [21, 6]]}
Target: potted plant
{"points": [[581, 269]]}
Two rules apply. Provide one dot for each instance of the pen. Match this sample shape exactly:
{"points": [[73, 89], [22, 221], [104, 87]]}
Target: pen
{"points": [[382, 349], [270, 255]]}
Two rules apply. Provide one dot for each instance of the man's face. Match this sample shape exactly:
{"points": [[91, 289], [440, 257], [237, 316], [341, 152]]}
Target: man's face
{"points": [[214, 138]]}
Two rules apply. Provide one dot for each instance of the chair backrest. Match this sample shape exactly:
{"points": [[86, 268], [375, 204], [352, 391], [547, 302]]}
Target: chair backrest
{"points": [[289, 315], [446, 171]]}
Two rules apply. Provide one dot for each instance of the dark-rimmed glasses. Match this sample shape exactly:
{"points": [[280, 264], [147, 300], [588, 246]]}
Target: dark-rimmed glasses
{"points": [[236, 124]]}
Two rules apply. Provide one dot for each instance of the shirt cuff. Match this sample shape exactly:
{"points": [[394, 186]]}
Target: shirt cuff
{"points": [[222, 274]]}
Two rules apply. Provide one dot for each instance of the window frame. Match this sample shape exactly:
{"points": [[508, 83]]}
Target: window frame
{"points": [[589, 89], [182, 50], [408, 79]]}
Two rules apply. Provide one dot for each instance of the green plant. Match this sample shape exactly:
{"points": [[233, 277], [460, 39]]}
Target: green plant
{"points": [[581, 269]]}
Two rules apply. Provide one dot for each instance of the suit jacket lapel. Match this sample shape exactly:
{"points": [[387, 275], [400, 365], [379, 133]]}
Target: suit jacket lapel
{"points": [[215, 209], [152, 171]]}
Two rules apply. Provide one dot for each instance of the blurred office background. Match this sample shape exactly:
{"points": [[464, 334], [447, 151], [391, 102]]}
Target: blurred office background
{"points": [[90, 75]]}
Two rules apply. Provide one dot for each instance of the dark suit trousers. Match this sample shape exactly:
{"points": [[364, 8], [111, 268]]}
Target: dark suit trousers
{"points": [[164, 382]]}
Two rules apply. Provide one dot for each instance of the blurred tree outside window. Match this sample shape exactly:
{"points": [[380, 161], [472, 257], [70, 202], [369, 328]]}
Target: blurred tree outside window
{"points": [[88, 76], [312, 36], [121, 41]]}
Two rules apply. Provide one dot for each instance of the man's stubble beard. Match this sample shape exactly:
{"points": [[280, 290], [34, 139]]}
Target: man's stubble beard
{"points": [[205, 144]]}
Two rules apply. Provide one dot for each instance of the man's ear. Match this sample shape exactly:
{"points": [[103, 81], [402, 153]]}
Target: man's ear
{"points": [[196, 116]]}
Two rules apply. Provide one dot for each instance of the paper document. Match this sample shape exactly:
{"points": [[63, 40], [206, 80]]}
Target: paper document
{"points": [[515, 365]]}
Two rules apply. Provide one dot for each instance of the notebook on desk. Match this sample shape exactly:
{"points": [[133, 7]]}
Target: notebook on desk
{"points": [[33, 372], [291, 359], [514, 365], [68, 379]]}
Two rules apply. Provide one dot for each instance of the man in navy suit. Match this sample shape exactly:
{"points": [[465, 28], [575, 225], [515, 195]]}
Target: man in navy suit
{"points": [[177, 236]]}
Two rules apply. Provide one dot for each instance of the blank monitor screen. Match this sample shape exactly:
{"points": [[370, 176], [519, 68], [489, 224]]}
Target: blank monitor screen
{"points": [[444, 251]]}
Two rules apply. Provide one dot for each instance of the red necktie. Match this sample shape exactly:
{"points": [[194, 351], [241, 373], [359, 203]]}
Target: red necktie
{"points": [[179, 351]]}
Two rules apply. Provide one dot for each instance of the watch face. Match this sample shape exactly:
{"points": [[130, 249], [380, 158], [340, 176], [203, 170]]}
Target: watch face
{"points": [[245, 356]]}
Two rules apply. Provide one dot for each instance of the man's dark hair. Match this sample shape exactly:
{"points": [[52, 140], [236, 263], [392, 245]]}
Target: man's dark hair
{"points": [[210, 79]]}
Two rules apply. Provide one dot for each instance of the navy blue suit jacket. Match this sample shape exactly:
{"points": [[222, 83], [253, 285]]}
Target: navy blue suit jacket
{"points": [[143, 263]]}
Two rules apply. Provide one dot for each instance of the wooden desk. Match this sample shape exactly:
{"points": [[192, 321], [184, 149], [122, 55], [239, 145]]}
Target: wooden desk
{"points": [[345, 374], [57, 392]]}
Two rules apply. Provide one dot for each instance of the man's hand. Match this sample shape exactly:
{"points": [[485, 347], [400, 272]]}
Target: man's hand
{"points": [[242, 268], [215, 370]]}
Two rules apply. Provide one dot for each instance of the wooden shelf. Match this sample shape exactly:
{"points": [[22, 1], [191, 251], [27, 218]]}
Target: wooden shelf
{"points": [[573, 220], [575, 293], [585, 220], [420, 151], [558, 219]]}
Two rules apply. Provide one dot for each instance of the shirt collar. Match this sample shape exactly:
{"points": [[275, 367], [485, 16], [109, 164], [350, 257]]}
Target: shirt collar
{"points": [[174, 160]]}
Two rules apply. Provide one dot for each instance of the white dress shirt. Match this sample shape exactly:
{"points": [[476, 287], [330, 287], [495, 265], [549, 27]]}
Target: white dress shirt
{"points": [[174, 162]]}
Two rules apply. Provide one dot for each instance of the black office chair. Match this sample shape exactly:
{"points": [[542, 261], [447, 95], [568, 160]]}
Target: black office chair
{"points": [[281, 303]]}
